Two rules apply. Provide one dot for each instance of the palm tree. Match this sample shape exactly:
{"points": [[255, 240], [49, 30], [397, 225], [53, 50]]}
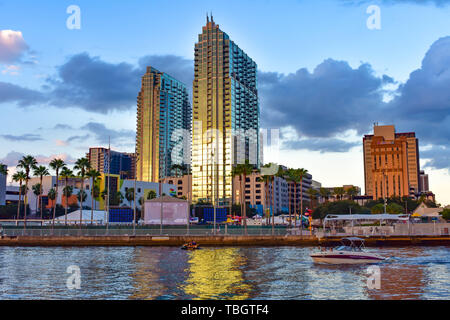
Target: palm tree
{"points": [[312, 193], [27, 163], [244, 170], [3, 169], [352, 192], [66, 173], [325, 193], [300, 175], [20, 177], [37, 191], [40, 172], [82, 165], [266, 179], [129, 195], [94, 175], [339, 192], [56, 164], [290, 178], [51, 195]]}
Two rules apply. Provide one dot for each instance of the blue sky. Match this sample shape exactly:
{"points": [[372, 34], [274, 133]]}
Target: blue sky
{"points": [[322, 38]]}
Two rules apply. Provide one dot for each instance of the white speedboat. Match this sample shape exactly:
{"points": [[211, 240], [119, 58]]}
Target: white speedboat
{"points": [[350, 252]]}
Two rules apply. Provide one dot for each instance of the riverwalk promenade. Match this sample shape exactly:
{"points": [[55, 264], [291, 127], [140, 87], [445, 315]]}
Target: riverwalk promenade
{"points": [[218, 240]]}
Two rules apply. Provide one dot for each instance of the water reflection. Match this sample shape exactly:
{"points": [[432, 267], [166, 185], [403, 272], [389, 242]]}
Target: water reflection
{"points": [[215, 273]]}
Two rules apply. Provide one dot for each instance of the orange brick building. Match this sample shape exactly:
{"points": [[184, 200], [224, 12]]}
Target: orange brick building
{"points": [[391, 163]]}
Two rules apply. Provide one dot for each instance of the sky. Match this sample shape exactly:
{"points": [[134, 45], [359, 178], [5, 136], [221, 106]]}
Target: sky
{"points": [[324, 75]]}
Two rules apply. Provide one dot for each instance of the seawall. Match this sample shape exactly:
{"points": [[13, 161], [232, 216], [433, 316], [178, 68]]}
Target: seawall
{"points": [[216, 241]]}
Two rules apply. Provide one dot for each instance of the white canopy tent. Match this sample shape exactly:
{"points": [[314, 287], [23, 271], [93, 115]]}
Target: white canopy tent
{"points": [[376, 217], [99, 217]]}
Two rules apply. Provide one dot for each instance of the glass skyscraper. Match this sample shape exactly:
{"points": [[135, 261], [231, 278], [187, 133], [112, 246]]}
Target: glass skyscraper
{"points": [[163, 112], [225, 114]]}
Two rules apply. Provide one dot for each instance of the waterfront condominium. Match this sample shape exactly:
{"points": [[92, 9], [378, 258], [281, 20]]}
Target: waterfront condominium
{"points": [[225, 114], [391, 163], [163, 116]]}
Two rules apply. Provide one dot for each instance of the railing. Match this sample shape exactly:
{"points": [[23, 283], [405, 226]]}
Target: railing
{"points": [[140, 231]]}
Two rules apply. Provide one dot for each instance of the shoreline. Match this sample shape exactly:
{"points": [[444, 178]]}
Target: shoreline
{"points": [[215, 241]]}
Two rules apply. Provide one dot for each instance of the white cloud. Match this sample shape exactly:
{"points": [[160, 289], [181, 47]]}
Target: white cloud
{"points": [[12, 46]]}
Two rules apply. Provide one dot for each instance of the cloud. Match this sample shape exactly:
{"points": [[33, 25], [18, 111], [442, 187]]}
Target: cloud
{"points": [[423, 102], [102, 134], [12, 158], [323, 103], [12, 46], [94, 85], [62, 126], [22, 96], [320, 144], [24, 137], [12, 70], [439, 157]]}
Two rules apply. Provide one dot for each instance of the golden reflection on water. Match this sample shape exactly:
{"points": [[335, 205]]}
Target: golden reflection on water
{"points": [[215, 274], [146, 284]]}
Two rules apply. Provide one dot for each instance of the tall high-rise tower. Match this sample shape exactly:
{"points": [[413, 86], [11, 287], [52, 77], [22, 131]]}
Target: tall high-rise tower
{"points": [[225, 114], [163, 112]]}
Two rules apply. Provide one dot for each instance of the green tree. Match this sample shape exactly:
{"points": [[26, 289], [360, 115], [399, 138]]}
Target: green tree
{"points": [[82, 165], [27, 163], [312, 193], [325, 194], [94, 175], [19, 177], [339, 192], [300, 174], [40, 171], [51, 194], [129, 195], [446, 214], [56, 164], [66, 174], [37, 192], [394, 208], [151, 195], [244, 170], [81, 196], [377, 209], [352, 192], [3, 169]]}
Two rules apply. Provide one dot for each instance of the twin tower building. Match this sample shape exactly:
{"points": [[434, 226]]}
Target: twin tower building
{"points": [[219, 131]]}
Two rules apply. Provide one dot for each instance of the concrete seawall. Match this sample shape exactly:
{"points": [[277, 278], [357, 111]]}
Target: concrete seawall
{"points": [[215, 241]]}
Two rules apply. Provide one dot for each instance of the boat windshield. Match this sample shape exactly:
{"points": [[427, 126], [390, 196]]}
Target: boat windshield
{"points": [[342, 248]]}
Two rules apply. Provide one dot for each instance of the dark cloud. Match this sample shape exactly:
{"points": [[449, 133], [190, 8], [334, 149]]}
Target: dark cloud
{"points": [[423, 102], [95, 85], [62, 126], [77, 138], [102, 134], [320, 144], [12, 158], [439, 157], [180, 68], [330, 100], [22, 96], [24, 137]]}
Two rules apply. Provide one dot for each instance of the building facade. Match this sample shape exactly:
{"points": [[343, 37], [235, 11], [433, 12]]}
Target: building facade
{"points": [[183, 186], [164, 117], [225, 114], [423, 182], [391, 163], [281, 196], [121, 163]]}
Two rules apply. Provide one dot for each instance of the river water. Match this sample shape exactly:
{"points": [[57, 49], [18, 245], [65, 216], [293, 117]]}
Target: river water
{"points": [[217, 273]]}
